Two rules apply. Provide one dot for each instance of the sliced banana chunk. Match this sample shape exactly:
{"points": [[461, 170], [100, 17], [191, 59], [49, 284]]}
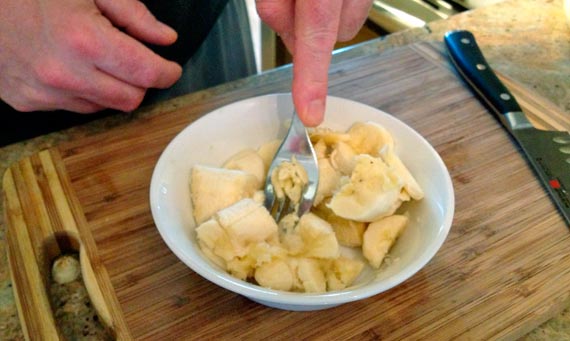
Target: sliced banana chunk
{"points": [[242, 268], [329, 180], [348, 232], [267, 152], [235, 230], [312, 237], [369, 138], [373, 139], [372, 192], [289, 179], [212, 189], [380, 236], [321, 149], [342, 158], [215, 242], [311, 275], [246, 223], [275, 275], [342, 272], [410, 184], [248, 160], [328, 136]]}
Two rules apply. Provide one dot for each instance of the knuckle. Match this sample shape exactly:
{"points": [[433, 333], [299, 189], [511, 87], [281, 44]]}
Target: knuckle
{"points": [[132, 101], [149, 76], [53, 75], [141, 12], [80, 40], [319, 38]]}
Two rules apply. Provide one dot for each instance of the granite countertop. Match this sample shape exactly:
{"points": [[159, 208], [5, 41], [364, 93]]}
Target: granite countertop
{"points": [[527, 40]]}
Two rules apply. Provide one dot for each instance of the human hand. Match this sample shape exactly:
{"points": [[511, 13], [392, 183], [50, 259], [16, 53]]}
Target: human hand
{"points": [[309, 29], [81, 56]]}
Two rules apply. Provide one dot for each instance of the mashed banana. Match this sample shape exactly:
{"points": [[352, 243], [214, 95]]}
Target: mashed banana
{"points": [[362, 184]]}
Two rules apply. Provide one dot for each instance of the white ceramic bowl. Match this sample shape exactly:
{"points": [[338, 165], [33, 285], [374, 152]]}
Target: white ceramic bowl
{"points": [[254, 121]]}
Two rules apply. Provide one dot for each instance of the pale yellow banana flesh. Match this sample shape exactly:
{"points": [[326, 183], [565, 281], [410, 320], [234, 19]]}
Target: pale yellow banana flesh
{"points": [[380, 236], [362, 183], [213, 189]]}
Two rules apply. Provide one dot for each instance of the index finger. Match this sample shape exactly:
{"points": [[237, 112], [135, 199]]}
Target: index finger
{"points": [[316, 28], [129, 60], [137, 20]]}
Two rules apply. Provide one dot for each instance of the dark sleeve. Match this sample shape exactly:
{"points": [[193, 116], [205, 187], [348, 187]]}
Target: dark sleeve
{"points": [[192, 19]]}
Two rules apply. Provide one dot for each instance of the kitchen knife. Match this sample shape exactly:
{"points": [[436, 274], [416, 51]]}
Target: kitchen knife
{"points": [[547, 151]]}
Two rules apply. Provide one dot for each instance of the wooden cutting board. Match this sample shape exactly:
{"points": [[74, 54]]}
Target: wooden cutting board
{"points": [[504, 268]]}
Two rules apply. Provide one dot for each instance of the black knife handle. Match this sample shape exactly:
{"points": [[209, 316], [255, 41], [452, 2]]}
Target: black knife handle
{"points": [[471, 64]]}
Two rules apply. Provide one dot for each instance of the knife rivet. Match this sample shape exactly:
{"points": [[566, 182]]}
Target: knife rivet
{"points": [[481, 67], [565, 150], [568, 160], [465, 40], [505, 96]]}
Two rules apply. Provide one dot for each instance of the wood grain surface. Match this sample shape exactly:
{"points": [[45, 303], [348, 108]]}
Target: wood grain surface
{"points": [[504, 268]]}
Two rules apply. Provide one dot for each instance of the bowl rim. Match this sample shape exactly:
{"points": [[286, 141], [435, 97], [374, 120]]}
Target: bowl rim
{"points": [[204, 267]]}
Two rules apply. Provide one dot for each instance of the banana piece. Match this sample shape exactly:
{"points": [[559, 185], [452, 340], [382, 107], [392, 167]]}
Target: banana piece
{"points": [[369, 138], [312, 237], [310, 275], [342, 158], [328, 136], [242, 268], [233, 232], [263, 252], [373, 139], [258, 255], [292, 241], [329, 180], [248, 160], [247, 223], [372, 192], [267, 152], [348, 232], [289, 179], [259, 196], [212, 189], [342, 272], [275, 275], [321, 149], [288, 222], [215, 242], [380, 236], [410, 184]]}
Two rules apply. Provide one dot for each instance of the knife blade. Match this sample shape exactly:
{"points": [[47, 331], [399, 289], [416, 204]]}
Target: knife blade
{"points": [[548, 152]]}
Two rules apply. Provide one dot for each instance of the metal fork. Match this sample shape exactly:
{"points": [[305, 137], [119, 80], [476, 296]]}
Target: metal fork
{"points": [[298, 145]]}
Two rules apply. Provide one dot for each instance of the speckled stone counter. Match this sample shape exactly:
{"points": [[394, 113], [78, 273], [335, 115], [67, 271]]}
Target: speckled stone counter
{"points": [[528, 40]]}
